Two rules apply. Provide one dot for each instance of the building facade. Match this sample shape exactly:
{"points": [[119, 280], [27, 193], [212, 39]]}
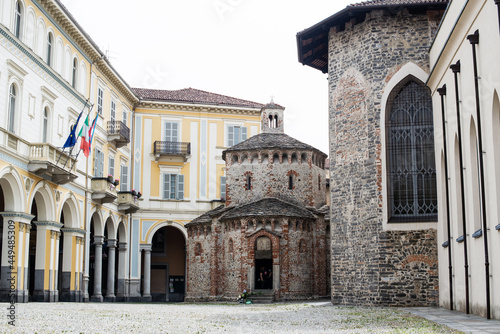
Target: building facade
{"points": [[465, 83], [270, 237], [382, 168], [79, 228]]}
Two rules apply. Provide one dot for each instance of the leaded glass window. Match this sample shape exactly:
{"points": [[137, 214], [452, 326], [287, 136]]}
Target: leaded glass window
{"points": [[410, 152]]}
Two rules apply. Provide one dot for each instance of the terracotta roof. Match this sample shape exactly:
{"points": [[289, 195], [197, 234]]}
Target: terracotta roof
{"points": [[191, 95], [370, 3], [267, 140], [207, 216], [268, 207]]}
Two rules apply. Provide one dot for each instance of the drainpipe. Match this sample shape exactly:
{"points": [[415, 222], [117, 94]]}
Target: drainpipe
{"points": [[132, 149], [474, 40], [456, 69], [497, 2], [442, 93]]}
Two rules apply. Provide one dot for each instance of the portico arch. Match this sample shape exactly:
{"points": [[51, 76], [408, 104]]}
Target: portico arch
{"points": [[167, 258], [96, 241]]}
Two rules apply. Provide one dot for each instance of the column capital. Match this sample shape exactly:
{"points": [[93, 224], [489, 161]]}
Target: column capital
{"points": [[145, 247], [122, 246], [112, 243], [20, 217], [98, 240]]}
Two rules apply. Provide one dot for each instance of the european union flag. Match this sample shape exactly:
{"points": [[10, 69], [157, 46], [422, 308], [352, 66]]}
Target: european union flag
{"points": [[72, 138]]}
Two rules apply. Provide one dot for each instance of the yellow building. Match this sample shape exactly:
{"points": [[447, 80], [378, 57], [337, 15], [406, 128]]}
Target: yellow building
{"points": [[76, 228]]}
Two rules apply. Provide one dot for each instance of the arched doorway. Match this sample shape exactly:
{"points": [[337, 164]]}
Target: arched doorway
{"points": [[121, 263], [168, 265], [32, 257], [263, 263], [95, 258]]}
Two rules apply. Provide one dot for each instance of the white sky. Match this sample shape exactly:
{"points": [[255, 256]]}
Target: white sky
{"points": [[240, 48]]}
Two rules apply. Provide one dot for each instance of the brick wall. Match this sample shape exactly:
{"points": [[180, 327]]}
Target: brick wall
{"points": [[370, 266]]}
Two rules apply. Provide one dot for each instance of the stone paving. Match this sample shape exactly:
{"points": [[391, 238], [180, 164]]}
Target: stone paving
{"points": [[306, 317], [466, 323]]}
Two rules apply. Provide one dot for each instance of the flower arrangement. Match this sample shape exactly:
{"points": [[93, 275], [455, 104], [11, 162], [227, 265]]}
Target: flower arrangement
{"points": [[242, 298], [117, 182]]}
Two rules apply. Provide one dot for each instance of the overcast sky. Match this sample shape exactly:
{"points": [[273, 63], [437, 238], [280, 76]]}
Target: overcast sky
{"points": [[240, 48]]}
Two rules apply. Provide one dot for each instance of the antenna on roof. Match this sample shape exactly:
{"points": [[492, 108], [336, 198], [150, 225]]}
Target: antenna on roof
{"points": [[272, 99]]}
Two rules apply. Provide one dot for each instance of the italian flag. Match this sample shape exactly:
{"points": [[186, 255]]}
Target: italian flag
{"points": [[84, 133]]}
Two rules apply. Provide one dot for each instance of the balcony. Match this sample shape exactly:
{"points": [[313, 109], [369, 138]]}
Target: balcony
{"points": [[118, 133], [103, 189], [47, 160], [128, 201], [170, 150]]}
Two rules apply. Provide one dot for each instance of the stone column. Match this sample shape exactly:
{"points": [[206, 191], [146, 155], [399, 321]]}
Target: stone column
{"points": [[122, 262], [110, 290], [97, 296], [16, 226], [146, 295]]}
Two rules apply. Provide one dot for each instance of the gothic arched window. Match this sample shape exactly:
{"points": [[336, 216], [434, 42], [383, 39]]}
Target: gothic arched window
{"points": [[410, 154]]}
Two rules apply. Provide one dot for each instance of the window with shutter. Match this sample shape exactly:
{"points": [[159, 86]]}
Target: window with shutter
{"points": [[180, 187], [98, 163], [100, 98], [123, 178], [172, 131], [223, 187], [111, 166], [236, 134]]}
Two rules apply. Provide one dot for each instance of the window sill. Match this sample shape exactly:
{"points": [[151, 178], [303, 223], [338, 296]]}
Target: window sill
{"points": [[414, 220], [168, 200]]}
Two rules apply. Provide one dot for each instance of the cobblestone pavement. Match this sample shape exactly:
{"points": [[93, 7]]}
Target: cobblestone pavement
{"points": [[313, 317]]}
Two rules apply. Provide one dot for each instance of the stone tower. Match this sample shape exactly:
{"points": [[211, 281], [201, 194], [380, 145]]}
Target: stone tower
{"points": [[272, 233], [384, 203]]}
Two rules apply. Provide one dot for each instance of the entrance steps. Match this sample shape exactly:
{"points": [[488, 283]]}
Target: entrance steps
{"points": [[264, 296]]}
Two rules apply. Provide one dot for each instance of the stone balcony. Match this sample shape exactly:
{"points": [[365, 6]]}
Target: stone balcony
{"points": [[47, 160], [103, 190], [128, 201], [118, 133]]}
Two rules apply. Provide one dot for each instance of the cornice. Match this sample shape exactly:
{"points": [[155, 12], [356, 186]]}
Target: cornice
{"points": [[158, 105]]}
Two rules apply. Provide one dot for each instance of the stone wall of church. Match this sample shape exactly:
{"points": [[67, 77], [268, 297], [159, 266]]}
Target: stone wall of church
{"points": [[270, 171], [371, 266], [199, 257]]}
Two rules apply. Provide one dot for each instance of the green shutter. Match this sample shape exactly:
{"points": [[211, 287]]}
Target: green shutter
{"points": [[243, 133], [166, 186], [223, 187]]}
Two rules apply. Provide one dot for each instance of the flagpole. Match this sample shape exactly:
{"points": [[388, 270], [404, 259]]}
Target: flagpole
{"points": [[90, 110], [76, 124]]}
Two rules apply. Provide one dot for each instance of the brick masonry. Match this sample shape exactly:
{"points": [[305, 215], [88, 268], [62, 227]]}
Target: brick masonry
{"points": [[371, 266], [292, 217]]}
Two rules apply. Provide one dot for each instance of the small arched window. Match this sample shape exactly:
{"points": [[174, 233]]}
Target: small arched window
{"points": [[45, 124], [275, 121], [249, 183], [18, 16], [12, 107], [50, 41], [197, 249], [290, 182], [74, 73], [230, 246]]}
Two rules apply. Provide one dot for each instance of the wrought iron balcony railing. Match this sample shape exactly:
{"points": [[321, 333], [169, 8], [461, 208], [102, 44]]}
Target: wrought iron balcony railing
{"points": [[119, 133], [171, 148]]}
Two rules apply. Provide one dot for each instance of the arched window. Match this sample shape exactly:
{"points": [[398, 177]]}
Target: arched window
{"points": [[410, 154], [18, 16], [50, 41], [74, 73], [12, 107], [45, 124], [249, 183], [290, 182]]}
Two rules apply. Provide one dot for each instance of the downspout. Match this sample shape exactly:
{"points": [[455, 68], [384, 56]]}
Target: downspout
{"points": [[456, 69], [474, 40], [442, 93], [130, 217], [497, 2]]}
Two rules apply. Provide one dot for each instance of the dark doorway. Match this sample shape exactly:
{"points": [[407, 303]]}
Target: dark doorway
{"points": [[32, 253], [168, 265], [263, 273], [263, 263]]}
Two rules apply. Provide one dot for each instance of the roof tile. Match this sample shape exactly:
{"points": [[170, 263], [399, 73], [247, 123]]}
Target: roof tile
{"points": [[191, 95]]}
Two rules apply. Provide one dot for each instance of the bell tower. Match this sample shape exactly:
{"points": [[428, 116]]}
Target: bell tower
{"points": [[272, 118]]}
